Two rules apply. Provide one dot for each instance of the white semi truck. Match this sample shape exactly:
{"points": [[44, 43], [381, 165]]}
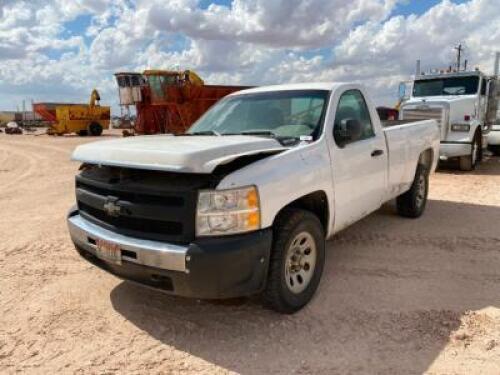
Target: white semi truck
{"points": [[464, 103], [494, 136]]}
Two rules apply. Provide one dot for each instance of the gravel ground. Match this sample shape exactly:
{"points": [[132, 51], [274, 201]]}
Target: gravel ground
{"points": [[398, 296]]}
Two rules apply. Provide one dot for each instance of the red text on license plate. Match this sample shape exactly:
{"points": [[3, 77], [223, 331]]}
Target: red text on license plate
{"points": [[108, 251]]}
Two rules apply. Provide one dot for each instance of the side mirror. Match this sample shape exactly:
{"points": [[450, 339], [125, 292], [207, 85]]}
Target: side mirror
{"points": [[349, 130], [402, 91]]}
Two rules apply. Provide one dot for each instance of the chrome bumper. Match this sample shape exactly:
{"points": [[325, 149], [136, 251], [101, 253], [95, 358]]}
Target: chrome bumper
{"points": [[452, 150], [148, 253], [494, 136]]}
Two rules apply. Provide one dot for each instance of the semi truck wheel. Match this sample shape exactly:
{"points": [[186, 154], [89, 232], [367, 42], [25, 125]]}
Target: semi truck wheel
{"points": [[412, 203], [469, 162], [95, 129], [297, 260]]}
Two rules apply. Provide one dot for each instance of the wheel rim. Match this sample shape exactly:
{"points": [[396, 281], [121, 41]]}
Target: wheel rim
{"points": [[420, 198], [300, 262]]}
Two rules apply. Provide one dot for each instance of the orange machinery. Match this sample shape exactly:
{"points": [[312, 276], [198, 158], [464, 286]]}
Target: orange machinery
{"points": [[168, 101]]}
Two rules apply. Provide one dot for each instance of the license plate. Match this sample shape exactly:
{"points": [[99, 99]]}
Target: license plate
{"points": [[108, 251]]}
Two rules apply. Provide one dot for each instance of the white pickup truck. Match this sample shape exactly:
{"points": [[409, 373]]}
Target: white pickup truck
{"points": [[244, 202]]}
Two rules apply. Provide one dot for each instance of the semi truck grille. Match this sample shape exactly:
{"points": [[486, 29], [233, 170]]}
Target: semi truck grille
{"points": [[142, 204], [424, 114]]}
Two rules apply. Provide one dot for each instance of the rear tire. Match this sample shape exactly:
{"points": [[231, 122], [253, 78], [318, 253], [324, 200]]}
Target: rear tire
{"points": [[95, 129], [495, 149], [469, 162], [412, 203], [297, 260]]}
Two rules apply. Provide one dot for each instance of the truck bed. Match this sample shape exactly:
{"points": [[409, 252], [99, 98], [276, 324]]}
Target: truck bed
{"points": [[389, 123], [405, 140]]}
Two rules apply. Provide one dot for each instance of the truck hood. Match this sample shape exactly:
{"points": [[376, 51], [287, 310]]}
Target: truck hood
{"points": [[188, 154]]}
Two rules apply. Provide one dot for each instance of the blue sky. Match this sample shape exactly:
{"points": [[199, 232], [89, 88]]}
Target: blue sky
{"points": [[415, 7], [60, 50]]}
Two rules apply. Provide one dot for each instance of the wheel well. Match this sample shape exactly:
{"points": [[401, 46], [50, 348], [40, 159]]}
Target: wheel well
{"points": [[316, 202], [426, 158], [478, 133]]}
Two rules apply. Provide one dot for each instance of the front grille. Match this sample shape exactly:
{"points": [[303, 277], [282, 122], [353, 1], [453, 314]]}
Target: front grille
{"points": [[146, 226], [148, 204], [424, 114], [417, 114]]}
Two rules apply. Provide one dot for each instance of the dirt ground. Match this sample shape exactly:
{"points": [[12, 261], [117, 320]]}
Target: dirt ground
{"points": [[398, 296]]}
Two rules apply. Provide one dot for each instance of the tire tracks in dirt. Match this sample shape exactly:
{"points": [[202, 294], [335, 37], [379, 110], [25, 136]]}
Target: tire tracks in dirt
{"points": [[29, 169], [447, 243]]}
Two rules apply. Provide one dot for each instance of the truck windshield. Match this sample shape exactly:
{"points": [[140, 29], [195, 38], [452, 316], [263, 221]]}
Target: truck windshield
{"points": [[281, 114], [446, 86]]}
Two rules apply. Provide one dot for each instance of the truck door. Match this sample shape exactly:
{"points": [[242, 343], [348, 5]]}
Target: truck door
{"points": [[359, 164], [483, 100]]}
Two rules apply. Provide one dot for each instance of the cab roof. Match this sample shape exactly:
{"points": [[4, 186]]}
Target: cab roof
{"points": [[471, 73], [328, 86]]}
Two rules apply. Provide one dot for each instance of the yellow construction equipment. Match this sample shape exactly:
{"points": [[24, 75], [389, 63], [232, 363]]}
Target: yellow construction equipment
{"points": [[82, 119]]}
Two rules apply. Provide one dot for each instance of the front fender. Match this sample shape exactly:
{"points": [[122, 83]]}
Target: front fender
{"points": [[285, 177]]}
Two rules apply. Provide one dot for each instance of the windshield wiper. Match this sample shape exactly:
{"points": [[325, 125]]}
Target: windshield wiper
{"points": [[259, 132], [205, 132], [283, 140]]}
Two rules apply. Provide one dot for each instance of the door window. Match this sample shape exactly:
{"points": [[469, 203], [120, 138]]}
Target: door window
{"points": [[352, 106], [483, 87]]}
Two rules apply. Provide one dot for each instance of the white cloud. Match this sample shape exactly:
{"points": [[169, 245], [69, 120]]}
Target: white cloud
{"points": [[278, 23], [430, 37], [387, 51], [249, 42]]}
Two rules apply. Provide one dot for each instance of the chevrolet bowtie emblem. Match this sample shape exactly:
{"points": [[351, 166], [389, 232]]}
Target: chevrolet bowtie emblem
{"points": [[112, 207]]}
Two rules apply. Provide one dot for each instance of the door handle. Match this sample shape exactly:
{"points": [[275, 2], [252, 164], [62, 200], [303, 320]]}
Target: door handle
{"points": [[377, 153]]}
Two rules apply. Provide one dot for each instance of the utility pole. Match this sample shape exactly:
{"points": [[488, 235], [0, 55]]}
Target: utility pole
{"points": [[459, 49], [497, 63]]}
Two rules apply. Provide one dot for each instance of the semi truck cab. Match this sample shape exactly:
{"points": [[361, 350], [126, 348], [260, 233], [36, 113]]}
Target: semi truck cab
{"points": [[461, 103]]}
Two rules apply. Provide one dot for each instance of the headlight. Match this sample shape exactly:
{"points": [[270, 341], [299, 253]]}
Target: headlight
{"points": [[222, 212], [460, 127]]}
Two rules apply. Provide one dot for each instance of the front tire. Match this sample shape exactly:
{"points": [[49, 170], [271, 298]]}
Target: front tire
{"points": [[469, 162], [412, 203], [297, 260]]}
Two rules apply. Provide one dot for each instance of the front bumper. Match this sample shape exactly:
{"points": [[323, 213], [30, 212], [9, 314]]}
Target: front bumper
{"points": [[449, 150], [209, 268], [494, 136]]}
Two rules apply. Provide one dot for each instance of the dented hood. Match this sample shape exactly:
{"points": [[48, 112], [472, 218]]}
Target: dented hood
{"points": [[190, 154]]}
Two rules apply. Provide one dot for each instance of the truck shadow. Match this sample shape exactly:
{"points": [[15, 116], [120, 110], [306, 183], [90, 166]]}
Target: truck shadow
{"points": [[394, 294]]}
